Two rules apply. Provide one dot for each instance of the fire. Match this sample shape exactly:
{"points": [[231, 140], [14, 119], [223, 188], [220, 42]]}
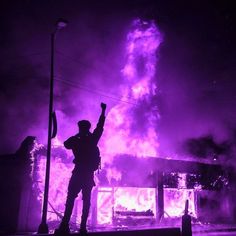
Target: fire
{"points": [[139, 70], [129, 129], [60, 174], [111, 202], [122, 135], [135, 199], [174, 201]]}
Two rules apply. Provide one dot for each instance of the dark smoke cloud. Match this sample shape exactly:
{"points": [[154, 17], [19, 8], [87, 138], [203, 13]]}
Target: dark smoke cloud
{"points": [[206, 147], [196, 79], [195, 74]]}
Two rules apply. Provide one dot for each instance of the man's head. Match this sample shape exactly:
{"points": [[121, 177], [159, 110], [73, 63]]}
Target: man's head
{"points": [[84, 126]]}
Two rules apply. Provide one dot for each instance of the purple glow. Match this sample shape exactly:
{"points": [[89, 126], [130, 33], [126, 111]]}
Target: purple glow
{"points": [[60, 175], [124, 199], [170, 108], [105, 206], [122, 135], [174, 202], [137, 199]]}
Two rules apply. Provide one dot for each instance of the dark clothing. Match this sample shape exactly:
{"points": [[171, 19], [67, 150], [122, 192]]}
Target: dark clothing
{"points": [[84, 147], [85, 150], [82, 178], [75, 186]]}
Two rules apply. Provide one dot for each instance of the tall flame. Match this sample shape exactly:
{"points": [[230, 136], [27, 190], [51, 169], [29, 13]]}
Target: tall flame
{"points": [[131, 128]]}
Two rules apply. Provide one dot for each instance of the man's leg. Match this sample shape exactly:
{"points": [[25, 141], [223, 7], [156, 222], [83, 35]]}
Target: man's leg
{"points": [[69, 207], [86, 192], [73, 191]]}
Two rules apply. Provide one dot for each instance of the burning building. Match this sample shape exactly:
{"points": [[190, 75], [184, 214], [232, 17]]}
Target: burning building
{"points": [[136, 186]]}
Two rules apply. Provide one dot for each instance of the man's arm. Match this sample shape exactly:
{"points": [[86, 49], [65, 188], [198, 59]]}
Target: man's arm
{"points": [[99, 128], [70, 142]]}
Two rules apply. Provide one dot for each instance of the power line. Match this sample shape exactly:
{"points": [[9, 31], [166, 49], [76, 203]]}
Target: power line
{"points": [[74, 85], [78, 62]]}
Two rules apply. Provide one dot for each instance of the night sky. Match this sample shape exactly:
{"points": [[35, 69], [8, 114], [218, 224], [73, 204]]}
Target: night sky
{"points": [[195, 70]]}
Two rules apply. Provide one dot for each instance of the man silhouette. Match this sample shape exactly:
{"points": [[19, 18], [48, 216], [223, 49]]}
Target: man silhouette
{"points": [[87, 160]]}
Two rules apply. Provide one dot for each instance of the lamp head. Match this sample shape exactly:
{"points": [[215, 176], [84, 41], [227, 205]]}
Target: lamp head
{"points": [[61, 23]]}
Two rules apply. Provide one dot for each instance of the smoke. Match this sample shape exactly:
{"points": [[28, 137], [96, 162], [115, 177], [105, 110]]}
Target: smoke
{"points": [[206, 147], [196, 97], [181, 103], [87, 66], [195, 76]]}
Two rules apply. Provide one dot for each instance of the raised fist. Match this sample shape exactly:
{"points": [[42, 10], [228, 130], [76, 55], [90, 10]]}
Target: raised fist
{"points": [[103, 106]]}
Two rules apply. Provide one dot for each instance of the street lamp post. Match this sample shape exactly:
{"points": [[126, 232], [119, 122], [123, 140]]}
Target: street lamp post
{"points": [[43, 227]]}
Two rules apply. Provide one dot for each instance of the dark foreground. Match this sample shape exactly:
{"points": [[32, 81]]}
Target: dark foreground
{"points": [[198, 230], [147, 232]]}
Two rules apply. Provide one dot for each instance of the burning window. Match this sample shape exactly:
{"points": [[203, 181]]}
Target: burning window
{"points": [[126, 205], [174, 202]]}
